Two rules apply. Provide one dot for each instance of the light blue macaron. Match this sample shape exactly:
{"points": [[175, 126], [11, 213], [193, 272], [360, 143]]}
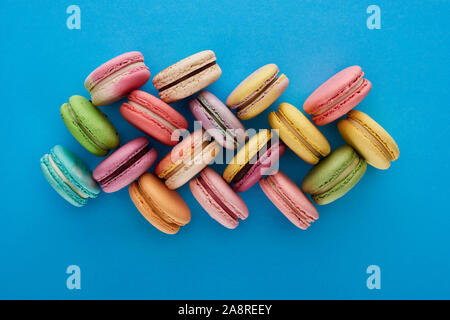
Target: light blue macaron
{"points": [[69, 176]]}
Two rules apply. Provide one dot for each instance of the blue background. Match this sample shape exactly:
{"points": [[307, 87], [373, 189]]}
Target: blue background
{"points": [[396, 219]]}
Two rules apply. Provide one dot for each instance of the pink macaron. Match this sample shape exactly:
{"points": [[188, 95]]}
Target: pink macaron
{"points": [[125, 165], [114, 79], [154, 117], [337, 96], [289, 199], [218, 120], [218, 199]]}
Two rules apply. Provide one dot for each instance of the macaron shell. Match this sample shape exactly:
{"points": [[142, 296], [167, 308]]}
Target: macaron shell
{"points": [[246, 153], [115, 78], [180, 152], [193, 166], [130, 80], [112, 66], [151, 125], [293, 197], [260, 168], [224, 116], [343, 187], [265, 99], [332, 89], [192, 85], [252, 84], [363, 141], [183, 68], [208, 203], [299, 125], [121, 156], [170, 207], [224, 193], [345, 106], [148, 212], [75, 170], [328, 168], [93, 121], [131, 173], [58, 184]]}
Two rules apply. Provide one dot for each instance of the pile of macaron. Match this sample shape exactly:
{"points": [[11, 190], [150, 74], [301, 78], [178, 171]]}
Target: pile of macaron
{"points": [[154, 194]]}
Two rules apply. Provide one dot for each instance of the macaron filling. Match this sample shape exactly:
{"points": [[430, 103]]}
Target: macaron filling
{"points": [[297, 134], [266, 86], [117, 75], [187, 76], [341, 96], [152, 115], [211, 193], [85, 130], [65, 180], [300, 214], [124, 166], [241, 173], [220, 123], [374, 139], [340, 177]]}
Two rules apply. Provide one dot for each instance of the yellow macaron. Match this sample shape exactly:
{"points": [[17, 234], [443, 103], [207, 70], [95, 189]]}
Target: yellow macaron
{"points": [[257, 92], [246, 153], [254, 160], [298, 133], [369, 139]]}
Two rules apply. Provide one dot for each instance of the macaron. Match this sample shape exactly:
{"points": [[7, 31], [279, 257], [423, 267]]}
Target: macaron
{"points": [[218, 120], [289, 199], [298, 133], [69, 176], [253, 160], [154, 117], [89, 126], [187, 76], [162, 207], [187, 158], [218, 199], [257, 92], [337, 96], [334, 175], [114, 79], [369, 139], [125, 165]]}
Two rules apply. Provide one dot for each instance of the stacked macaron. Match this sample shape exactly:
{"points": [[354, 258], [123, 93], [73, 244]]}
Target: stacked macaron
{"points": [[256, 154]]}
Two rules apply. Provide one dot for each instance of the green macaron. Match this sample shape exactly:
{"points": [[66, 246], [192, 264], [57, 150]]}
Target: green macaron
{"points": [[89, 126], [334, 175]]}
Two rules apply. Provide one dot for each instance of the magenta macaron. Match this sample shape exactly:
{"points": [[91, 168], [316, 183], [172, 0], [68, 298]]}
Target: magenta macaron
{"points": [[114, 79], [154, 117], [289, 199], [218, 199], [218, 120], [125, 165], [337, 96]]}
